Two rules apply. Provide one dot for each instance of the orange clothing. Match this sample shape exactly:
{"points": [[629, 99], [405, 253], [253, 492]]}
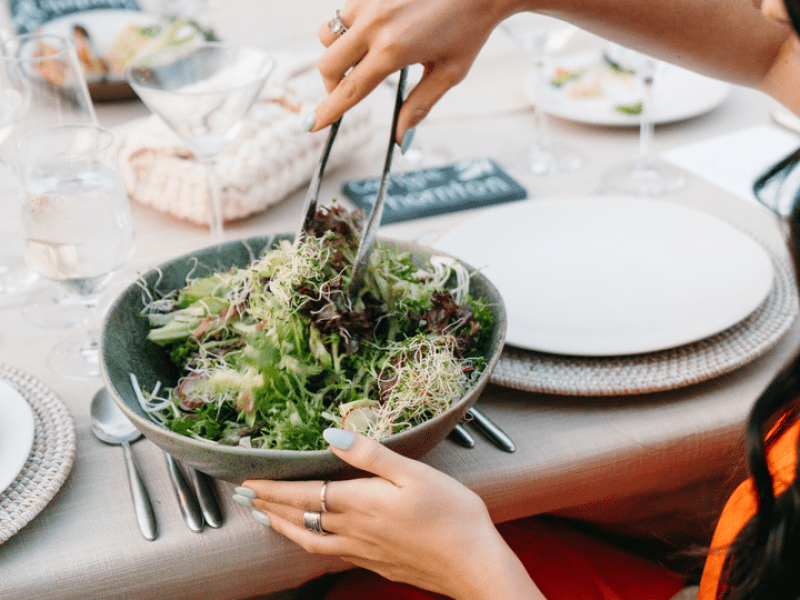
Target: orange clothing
{"points": [[742, 505]]}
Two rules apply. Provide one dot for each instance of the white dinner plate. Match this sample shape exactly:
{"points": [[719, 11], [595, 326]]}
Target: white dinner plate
{"points": [[594, 96], [16, 433], [613, 275]]}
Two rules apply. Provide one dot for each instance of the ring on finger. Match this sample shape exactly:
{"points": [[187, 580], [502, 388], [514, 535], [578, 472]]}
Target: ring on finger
{"points": [[335, 24], [322, 493], [313, 522]]}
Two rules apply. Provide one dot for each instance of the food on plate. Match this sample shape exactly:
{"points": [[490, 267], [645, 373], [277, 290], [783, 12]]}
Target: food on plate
{"points": [[274, 353], [562, 75], [140, 39], [630, 109], [93, 64]]}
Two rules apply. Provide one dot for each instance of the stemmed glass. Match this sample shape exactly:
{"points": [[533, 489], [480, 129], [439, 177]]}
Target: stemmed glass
{"points": [[540, 36], [41, 84], [76, 225], [202, 90], [646, 176]]}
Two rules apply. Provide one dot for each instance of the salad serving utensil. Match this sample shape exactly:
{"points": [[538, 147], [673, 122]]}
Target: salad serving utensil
{"points": [[111, 426], [370, 232]]}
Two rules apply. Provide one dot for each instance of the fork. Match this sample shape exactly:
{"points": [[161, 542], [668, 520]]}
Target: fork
{"points": [[370, 232]]}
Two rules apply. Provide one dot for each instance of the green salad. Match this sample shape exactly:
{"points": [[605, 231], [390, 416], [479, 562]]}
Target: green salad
{"points": [[274, 353]]}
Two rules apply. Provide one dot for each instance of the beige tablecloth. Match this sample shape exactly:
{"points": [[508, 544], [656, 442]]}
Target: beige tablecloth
{"points": [[649, 466]]}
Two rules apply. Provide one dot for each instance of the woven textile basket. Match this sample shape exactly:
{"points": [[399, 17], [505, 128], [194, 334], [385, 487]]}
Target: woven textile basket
{"points": [[270, 157]]}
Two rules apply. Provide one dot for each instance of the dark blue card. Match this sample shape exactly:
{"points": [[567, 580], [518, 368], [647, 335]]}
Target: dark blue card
{"points": [[29, 15], [471, 183]]}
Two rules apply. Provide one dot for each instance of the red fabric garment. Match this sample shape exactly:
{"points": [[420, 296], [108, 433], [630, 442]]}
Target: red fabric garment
{"points": [[566, 565]]}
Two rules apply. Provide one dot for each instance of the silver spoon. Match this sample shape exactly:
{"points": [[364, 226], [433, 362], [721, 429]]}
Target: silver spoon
{"points": [[111, 426]]}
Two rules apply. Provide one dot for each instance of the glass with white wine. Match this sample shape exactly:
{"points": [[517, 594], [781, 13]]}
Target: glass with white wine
{"points": [[76, 225]]}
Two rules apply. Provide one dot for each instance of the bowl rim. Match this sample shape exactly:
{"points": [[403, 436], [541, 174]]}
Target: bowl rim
{"points": [[147, 425]]}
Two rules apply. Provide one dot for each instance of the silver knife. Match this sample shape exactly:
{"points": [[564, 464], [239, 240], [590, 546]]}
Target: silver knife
{"points": [[206, 497], [187, 500], [488, 427], [462, 437]]}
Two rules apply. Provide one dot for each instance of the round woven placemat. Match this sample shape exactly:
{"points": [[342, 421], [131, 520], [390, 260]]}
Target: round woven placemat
{"points": [[663, 370], [50, 460]]}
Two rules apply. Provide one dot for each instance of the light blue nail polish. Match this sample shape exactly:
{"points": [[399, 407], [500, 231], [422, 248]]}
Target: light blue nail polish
{"points": [[261, 517], [242, 500], [309, 121], [246, 492], [338, 438], [408, 137]]}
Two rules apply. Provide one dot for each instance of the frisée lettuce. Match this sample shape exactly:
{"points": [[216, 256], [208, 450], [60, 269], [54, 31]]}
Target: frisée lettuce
{"points": [[274, 353]]}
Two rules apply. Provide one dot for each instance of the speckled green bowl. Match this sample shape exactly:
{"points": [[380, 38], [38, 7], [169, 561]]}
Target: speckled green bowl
{"points": [[124, 349]]}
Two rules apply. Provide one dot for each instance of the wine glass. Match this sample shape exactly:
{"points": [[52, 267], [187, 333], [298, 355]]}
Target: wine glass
{"points": [[41, 84], [540, 36], [202, 90], [76, 224], [645, 176]]}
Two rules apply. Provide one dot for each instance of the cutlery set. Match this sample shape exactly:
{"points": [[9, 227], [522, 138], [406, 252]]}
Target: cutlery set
{"points": [[461, 435], [196, 499]]}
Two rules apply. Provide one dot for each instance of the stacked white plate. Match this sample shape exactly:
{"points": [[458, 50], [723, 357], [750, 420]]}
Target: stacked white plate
{"points": [[608, 283]]}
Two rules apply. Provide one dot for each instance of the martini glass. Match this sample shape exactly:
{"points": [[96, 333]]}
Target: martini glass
{"points": [[540, 36], [202, 90], [41, 84], [645, 176]]}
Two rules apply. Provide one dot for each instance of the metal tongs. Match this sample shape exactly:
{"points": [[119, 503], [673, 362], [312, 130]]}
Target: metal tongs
{"points": [[370, 232]]}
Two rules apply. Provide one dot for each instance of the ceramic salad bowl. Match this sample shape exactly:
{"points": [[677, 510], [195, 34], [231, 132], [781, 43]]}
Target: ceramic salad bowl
{"points": [[125, 350]]}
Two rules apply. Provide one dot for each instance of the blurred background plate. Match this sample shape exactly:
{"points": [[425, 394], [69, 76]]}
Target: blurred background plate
{"points": [[104, 27], [613, 275], [593, 97]]}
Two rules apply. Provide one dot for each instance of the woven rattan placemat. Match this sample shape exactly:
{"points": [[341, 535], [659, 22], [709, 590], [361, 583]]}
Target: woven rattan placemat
{"points": [[50, 460], [663, 370]]}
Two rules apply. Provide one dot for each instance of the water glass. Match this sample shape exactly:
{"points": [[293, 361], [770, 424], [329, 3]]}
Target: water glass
{"points": [[76, 225]]}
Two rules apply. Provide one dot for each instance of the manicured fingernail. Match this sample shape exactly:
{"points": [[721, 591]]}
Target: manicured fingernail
{"points": [[242, 500], [338, 438], [309, 121], [261, 517], [408, 137], [246, 492]]}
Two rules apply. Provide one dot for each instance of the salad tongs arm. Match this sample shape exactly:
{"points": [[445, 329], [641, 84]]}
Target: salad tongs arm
{"points": [[310, 206], [370, 232]]}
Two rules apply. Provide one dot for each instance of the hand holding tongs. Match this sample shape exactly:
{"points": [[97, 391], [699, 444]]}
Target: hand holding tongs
{"points": [[370, 232]]}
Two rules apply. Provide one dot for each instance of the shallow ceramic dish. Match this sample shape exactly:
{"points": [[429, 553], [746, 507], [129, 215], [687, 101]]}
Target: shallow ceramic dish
{"points": [[124, 349]]}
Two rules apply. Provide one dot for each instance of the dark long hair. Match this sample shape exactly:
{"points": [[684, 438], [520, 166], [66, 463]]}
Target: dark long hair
{"points": [[763, 558]]}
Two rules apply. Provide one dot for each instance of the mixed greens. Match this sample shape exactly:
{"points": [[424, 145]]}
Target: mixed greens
{"points": [[274, 353]]}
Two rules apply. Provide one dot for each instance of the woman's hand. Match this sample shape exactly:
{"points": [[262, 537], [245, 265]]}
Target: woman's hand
{"points": [[383, 36], [409, 523]]}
